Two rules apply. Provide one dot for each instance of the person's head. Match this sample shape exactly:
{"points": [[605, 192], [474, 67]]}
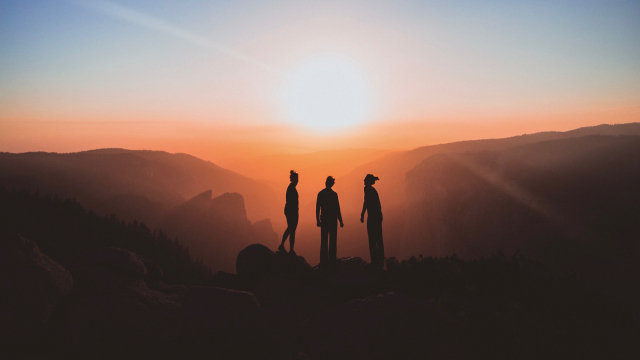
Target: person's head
{"points": [[370, 179], [293, 176], [330, 181]]}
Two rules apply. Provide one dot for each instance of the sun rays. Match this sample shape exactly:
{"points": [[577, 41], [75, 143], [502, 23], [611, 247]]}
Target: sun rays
{"points": [[134, 17]]}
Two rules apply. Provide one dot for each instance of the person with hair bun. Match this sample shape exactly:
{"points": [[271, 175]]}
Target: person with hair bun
{"points": [[291, 212]]}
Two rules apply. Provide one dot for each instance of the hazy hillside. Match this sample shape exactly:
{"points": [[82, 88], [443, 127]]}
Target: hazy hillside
{"points": [[65, 230], [148, 185], [392, 168], [215, 230], [574, 199], [133, 184]]}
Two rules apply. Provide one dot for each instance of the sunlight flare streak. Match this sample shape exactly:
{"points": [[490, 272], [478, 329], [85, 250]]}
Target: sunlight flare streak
{"points": [[131, 16]]}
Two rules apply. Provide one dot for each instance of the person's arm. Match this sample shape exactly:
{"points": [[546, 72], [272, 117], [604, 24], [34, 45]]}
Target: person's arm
{"points": [[339, 214], [286, 202], [318, 210], [364, 207]]}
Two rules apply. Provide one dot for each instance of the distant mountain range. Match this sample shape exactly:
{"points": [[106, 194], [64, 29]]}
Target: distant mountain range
{"points": [[153, 187], [211, 209], [574, 202], [393, 168], [135, 184]]}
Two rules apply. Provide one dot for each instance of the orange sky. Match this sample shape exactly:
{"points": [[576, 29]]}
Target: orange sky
{"points": [[218, 143], [222, 80]]}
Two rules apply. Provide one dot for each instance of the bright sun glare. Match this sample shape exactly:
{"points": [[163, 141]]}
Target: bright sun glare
{"points": [[327, 93]]}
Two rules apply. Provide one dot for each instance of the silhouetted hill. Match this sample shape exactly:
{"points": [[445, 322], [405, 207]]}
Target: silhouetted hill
{"points": [[62, 228], [216, 229], [133, 184], [574, 202], [393, 167]]}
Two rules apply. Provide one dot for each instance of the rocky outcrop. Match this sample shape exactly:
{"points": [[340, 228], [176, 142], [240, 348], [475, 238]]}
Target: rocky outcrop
{"points": [[107, 270], [154, 271], [120, 261], [216, 229], [456, 309], [384, 326], [117, 311], [254, 264], [31, 286]]}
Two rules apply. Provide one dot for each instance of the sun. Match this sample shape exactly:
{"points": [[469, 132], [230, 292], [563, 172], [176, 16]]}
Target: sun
{"points": [[327, 93]]}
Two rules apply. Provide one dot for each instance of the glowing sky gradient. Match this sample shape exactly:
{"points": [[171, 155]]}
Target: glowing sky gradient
{"points": [[214, 78]]}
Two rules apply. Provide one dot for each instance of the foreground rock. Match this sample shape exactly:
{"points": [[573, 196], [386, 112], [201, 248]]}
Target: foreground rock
{"points": [[222, 322], [254, 264], [385, 326], [31, 285], [114, 313]]}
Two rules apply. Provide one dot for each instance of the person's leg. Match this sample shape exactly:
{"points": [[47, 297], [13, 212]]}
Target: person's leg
{"points": [[380, 245], [324, 254], [333, 243], [284, 238], [376, 248], [292, 232], [372, 244], [286, 232]]}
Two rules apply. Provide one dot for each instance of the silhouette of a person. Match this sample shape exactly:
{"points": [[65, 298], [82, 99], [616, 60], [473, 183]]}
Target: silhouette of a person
{"points": [[327, 216], [374, 221], [291, 212]]}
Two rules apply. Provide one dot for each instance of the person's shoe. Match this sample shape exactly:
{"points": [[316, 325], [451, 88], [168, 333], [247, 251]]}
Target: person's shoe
{"points": [[281, 248]]}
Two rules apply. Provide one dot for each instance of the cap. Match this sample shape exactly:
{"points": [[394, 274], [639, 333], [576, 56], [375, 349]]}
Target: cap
{"points": [[371, 177]]}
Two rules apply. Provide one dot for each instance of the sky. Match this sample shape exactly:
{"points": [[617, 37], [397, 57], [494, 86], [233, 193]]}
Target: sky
{"points": [[220, 79]]}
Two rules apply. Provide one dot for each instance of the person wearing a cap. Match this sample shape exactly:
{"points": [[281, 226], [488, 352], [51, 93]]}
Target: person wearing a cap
{"points": [[374, 221], [327, 217]]}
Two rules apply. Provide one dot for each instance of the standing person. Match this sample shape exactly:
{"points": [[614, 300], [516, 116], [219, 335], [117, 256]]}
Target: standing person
{"points": [[291, 212], [374, 221], [327, 216]]}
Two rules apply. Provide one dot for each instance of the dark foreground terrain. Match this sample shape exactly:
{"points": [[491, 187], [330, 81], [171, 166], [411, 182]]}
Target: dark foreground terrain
{"points": [[99, 288]]}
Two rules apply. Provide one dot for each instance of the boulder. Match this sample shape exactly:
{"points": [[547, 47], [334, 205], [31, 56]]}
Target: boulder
{"points": [[31, 286], [154, 271], [107, 270], [121, 261], [385, 326], [254, 264], [129, 320]]}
